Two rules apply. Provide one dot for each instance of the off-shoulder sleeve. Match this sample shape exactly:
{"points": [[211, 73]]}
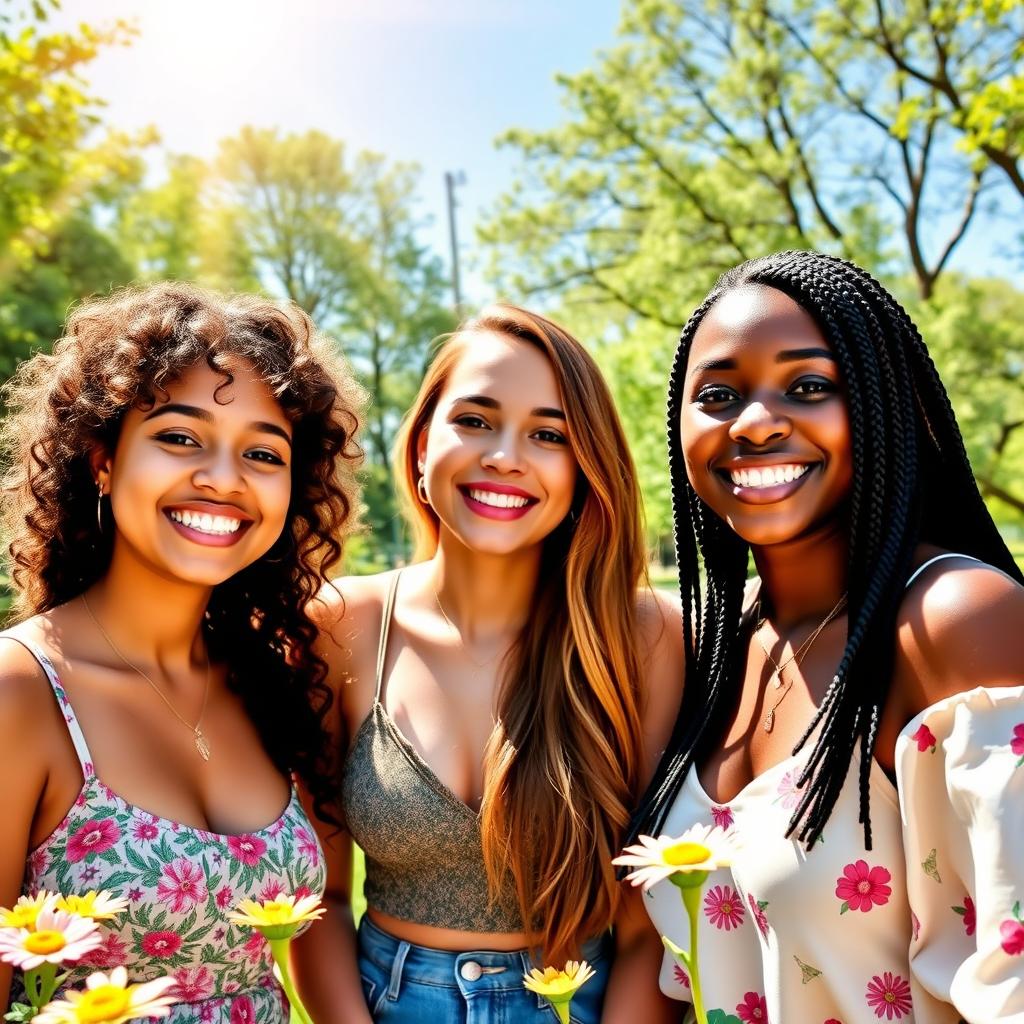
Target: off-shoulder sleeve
{"points": [[960, 774]]}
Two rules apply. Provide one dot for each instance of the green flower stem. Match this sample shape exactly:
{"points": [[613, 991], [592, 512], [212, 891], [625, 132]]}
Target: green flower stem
{"points": [[562, 1009], [690, 885], [279, 951], [691, 900]]}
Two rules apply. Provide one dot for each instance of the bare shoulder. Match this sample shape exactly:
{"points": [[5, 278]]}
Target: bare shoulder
{"points": [[960, 626], [27, 706], [660, 620], [347, 612]]}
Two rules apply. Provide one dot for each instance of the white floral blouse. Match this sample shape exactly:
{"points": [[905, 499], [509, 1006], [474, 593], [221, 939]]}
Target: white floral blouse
{"points": [[926, 927]]}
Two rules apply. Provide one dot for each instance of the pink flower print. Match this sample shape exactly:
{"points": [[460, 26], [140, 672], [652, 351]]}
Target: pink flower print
{"points": [[193, 984], [1013, 933], [223, 897], [862, 888], [681, 976], [144, 831], [757, 910], [161, 945], [272, 830], [1017, 743], [303, 890], [723, 906], [37, 862], [111, 952], [247, 849], [88, 874], [915, 925], [889, 996], [81, 800], [307, 846], [254, 948], [969, 914], [182, 885], [722, 816], [134, 895], [92, 837], [752, 1010], [242, 1011], [272, 889], [925, 739], [231, 986], [789, 791], [206, 1013]]}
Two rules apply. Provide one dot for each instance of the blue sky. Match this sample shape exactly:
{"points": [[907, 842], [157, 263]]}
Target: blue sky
{"points": [[430, 82]]}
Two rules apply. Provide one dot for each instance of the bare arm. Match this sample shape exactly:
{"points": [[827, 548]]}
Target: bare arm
{"points": [[324, 958], [633, 993], [27, 713]]}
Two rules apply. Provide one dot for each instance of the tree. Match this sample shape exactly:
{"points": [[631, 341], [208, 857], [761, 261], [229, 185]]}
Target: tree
{"points": [[714, 131], [55, 171], [338, 235]]}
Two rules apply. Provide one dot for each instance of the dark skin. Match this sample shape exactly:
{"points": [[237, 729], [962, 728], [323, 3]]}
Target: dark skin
{"points": [[763, 391], [151, 600]]}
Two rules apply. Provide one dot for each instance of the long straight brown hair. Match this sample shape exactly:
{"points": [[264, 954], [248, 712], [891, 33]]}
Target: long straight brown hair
{"points": [[562, 764]]}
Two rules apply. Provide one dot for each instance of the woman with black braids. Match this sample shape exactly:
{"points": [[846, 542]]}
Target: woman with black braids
{"points": [[856, 714]]}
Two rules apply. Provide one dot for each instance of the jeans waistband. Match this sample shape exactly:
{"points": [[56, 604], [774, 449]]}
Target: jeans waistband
{"points": [[482, 968]]}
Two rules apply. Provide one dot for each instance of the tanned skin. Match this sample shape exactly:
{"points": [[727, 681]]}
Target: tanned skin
{"points": [[436, 690], [959, 623], [151, 602]]}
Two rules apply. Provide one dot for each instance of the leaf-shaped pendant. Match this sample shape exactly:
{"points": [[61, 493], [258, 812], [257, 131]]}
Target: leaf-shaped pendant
{"points": [[201, 745]]}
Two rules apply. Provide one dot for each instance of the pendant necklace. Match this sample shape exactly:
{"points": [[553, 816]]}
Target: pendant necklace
{"points": [[202, 744], [776, 677]]}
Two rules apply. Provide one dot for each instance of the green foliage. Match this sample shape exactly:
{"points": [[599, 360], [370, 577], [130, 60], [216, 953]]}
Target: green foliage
{"points": [[714, 131]]}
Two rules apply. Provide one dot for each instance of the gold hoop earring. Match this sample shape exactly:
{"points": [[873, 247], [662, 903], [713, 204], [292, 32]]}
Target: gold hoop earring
{"points": [[421, 491], [99, 506]]}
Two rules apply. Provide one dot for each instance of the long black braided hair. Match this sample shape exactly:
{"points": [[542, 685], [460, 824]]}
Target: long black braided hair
{"points": [[912, 483]]}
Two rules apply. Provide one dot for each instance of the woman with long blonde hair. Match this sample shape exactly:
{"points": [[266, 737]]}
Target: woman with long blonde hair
{"points": [[503, 700]]}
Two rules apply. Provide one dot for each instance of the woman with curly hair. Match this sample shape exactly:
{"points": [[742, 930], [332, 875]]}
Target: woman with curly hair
{"points": [[856, 713], [507, 696], [180, 478]]}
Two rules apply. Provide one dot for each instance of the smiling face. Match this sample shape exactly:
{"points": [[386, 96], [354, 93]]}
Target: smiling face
{"points": [[495, 456], [200, 483], [764, 429]]}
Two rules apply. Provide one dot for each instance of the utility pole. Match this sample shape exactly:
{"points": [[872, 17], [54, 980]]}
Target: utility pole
{"points": [[451, 180]]}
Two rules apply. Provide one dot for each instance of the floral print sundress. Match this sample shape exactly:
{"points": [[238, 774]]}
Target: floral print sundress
{"points": [[927, 927], [180, 883]]}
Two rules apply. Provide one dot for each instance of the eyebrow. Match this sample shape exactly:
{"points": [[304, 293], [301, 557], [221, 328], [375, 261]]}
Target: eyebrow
{"points": [[194, 412], [545, 412], [792, 355]]}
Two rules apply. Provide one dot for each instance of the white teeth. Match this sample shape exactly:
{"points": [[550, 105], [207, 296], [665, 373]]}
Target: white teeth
{"points": [[203, 522], [498, 500], [767, 476]]}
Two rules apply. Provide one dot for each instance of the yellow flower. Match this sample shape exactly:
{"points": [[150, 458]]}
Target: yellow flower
{"points": [[278, 918], [559, 986], [56, 938], [109, 1000], [700, 849], [98, 906], [24, 913]]}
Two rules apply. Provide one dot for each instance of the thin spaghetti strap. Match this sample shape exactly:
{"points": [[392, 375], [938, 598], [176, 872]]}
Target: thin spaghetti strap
{"points": [[74, 729], [385, 628], [938, 558]]}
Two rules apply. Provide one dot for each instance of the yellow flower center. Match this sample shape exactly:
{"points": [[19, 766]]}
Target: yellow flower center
{"points": [[108, 1002], [45, 942], [277, 912], [682, 854]]}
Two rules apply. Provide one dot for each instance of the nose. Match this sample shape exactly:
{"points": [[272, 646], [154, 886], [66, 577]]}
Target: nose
{"points": [[759, 423], [220, 472], [503, 455]]}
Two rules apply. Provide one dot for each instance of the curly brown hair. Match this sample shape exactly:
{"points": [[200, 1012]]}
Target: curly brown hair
{"points": [[122, 352]]}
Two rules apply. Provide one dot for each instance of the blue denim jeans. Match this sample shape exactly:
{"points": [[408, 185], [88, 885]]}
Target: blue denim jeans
{"points": [[408, 984]]}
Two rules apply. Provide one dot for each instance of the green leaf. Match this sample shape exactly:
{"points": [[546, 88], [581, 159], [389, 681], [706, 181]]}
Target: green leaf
{"points": [[721, 1017]]}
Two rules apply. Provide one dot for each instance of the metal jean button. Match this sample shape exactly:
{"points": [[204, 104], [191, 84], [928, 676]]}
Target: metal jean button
{"points": [[471, 971]]}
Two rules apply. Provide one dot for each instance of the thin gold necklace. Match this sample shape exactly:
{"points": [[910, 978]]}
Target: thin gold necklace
{"points": [[462, 643], [202, 744], [796, 656]]}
